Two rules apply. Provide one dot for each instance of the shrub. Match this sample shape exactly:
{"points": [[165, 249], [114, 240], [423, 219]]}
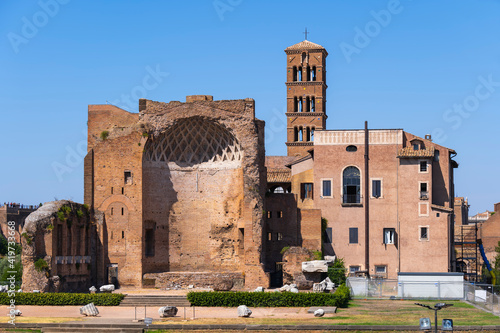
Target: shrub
{"points": [[337, 272], [317, 255], [60, 216], [283, 250], [63, 299], [41, 265], [50, 227], [104, 135], [79, 213], [28, 238], [270, 299]]}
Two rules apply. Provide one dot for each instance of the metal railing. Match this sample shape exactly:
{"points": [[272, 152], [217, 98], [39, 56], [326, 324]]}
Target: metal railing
{"points": [[483, 296]]}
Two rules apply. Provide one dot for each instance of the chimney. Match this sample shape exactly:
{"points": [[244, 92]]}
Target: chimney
{"points": [[497, 207], [428, 137]]}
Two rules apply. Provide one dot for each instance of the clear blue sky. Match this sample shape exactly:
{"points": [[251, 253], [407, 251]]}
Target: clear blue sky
{"points": [[419, 65]]}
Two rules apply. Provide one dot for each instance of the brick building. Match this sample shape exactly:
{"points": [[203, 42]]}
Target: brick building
{"points": [[187, 193], [387, 195]]}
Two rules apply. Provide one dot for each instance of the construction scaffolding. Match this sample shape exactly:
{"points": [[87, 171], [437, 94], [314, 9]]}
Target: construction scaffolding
{"points": [[468, 258]]}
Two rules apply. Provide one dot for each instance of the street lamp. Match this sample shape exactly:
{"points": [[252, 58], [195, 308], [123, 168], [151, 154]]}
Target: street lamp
{"points": [[436, 308]]}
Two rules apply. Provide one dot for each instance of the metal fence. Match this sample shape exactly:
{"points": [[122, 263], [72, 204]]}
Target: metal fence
{"points": [[486, 297]]}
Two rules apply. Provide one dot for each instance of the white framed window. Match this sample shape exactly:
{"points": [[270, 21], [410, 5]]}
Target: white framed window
{"points": [[354, 269], [423, 233], [376, 188], [380, 269], [423, 209], [326, 187], [423, 188], [423, 167], [351, 185], [389, 235]]}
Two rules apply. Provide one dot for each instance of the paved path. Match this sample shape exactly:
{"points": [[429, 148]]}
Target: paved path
{"points": [[115, 312]]}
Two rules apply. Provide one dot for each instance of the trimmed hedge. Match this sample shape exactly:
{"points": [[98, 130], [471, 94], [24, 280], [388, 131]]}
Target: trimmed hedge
{"points": [[340, 298], [62, 299]]}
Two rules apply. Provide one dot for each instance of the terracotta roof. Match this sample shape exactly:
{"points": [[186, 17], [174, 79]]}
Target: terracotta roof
{"points": [[409, 152], [442, 208], [305, 45], [277, 162], [279, 175]]}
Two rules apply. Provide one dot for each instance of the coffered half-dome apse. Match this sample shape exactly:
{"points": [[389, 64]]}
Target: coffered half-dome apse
{"points": [[192, 198]]}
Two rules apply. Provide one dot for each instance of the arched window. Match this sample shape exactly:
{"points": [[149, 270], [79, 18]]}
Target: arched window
{"points": [[312, 134], [308, 134], [294, 73], [295, 134], [295, 104], [308, 104], [308, 73], [301, 134], [313, 76], [300, 104], [300, 73], [304, 57], [279, 189], [351, 185], [313, 104]]}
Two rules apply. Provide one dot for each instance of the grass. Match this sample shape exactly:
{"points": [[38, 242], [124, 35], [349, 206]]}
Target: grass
{"points": [[366, 312]]}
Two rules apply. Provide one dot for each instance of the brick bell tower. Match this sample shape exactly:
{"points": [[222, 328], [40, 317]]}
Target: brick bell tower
{"points": [[305, 94]]}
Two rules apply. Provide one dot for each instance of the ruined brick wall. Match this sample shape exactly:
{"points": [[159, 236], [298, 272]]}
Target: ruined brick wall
{"points": [[310, 228], [282, 229], [195, 279], [292, 268], [59, 233], [168, 207]]}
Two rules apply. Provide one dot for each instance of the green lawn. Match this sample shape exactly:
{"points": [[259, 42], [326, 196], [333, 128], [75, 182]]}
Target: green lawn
{"points": [[403, 312]]}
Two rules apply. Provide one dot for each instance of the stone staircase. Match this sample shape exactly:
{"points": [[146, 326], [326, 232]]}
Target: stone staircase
{"points": [[155, 301]]}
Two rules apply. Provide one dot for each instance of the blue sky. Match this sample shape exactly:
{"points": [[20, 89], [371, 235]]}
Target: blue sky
{"points": [[430, 67]]}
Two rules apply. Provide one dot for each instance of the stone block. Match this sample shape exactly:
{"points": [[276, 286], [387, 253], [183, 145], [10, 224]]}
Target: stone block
{"points": [[107, 288], [244, 311], [167, 311], [89, 310], [315, 266], [319, 313]]}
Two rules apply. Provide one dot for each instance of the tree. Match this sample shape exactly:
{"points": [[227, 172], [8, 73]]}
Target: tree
{"points": [[337, 272]]}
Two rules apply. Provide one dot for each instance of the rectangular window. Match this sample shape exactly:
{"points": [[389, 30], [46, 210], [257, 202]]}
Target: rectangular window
{"points": [[354, 269], [424, 193], [128, 177], [269, 214], [279, 236], [327, 237], [389, 235], [269, 236], [353, 235], [280, 214], [416, 146], [306, 191], [424, 233], [380, 269], [376, 188], [150, 242], [423, 166], [326, 188]]}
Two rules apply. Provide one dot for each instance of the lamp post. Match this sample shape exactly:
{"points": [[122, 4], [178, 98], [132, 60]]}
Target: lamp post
{"points": [[436, 308]]}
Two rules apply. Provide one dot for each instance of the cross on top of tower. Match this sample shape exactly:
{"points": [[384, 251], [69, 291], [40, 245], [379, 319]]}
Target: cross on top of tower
{"points": [[305, 33]]}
